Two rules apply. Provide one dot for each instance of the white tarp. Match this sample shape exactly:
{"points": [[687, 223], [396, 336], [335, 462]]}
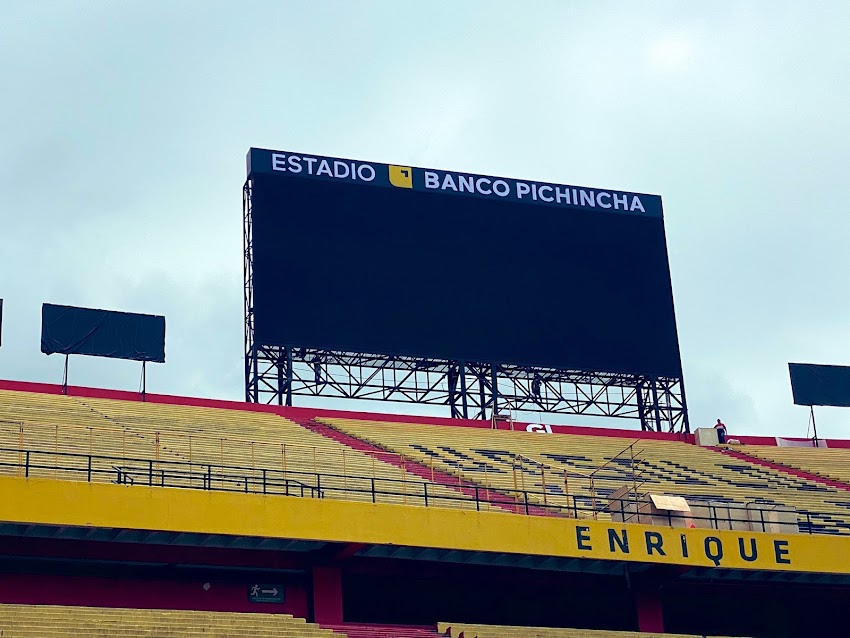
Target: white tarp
{"points": [[669, 503], [805, 443]]}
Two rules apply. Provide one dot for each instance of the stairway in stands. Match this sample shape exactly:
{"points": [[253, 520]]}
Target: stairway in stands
{"points": [[355, 630], [467, 488]]}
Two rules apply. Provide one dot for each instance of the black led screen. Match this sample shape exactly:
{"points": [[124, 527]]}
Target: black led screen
{"points": [[102, 333], [813, 384], [404, 264]]}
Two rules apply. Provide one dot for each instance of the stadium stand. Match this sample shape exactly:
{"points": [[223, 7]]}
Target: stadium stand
{"points": [[485, 496], [557, 469], [831, 464], [173, 444], [357, 630], [123, 561], [402, 463], [55, 621]]}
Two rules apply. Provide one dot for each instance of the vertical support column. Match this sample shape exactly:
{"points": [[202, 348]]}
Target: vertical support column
{"points": [[255, 381], [288, 377], [685, 422], [65, 377], [462, 374], [283, 365], [327, 595], [644, 424], [495, 388], [251, 387], [814, 427], [457, 390], [482, 392], [248, 378], [279, 362], [648, 609], [451, 380], [657, 413]]}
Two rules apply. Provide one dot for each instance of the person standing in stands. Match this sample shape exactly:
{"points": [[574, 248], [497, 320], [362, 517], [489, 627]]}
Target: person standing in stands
{"points": [[721, 432]]}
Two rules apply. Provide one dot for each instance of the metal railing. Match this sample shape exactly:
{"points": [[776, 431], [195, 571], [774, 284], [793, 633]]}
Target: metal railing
{"points": [[235, 478], [126, 441], [162, 443], [305, 484]]}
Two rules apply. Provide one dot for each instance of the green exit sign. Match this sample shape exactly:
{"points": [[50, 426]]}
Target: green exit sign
{"points": [[265, 593]]}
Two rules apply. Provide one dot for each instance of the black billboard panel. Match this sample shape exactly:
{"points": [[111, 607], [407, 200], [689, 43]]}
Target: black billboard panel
{"points": [[820, 385], [102, 333], [397, 260]]}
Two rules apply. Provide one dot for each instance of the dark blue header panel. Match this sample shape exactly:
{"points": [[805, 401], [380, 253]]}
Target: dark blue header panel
{"points": [[102, 333], [451, 183], [820, 385], [378, 261]]}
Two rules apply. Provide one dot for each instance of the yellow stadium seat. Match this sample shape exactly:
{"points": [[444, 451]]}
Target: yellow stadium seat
{"points": [[468, 630], [53, 621], [556, 469], [240, 450], [830, 463], [186, 446]]}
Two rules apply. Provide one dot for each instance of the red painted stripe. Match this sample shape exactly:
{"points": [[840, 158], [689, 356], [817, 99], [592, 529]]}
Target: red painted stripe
{"points": [[294, 413], [309, 413], [771, 440], [465, 487]]}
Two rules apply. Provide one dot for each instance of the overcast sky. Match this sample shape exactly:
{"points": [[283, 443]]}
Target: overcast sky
{"points": [[125, 127]]}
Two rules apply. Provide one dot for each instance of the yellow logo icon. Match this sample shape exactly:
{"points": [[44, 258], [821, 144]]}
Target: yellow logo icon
{"points": [[401, 176]]}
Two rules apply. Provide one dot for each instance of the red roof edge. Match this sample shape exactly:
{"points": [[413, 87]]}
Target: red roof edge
{"points": [[296, 413]]}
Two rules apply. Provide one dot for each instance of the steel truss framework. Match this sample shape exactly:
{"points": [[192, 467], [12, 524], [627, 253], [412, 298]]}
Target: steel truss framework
{"points": [[274, 374]]}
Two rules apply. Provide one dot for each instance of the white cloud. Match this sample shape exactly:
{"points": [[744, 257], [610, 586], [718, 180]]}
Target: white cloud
{"points": [[674, 52]]}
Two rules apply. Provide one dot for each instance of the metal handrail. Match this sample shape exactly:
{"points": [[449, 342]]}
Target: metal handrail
{"points": [[170, 440], [631, 450], [162, 443], [234, 478]]}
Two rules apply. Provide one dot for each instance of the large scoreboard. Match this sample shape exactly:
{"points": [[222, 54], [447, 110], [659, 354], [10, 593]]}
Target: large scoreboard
{"points": [[367, 257]]}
